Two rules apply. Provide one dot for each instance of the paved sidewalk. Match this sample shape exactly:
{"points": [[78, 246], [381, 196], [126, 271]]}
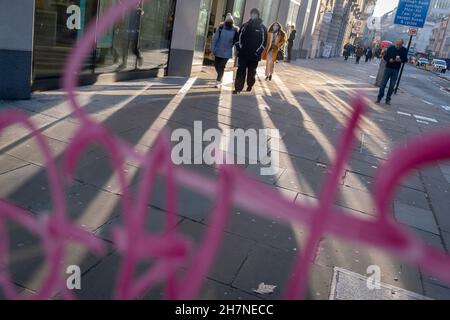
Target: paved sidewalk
{"points": [[308, 102]]}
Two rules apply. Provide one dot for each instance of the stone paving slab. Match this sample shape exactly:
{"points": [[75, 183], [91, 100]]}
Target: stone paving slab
{"points": [[366, 182], [348, 285], [9, 163], [415, 217], [273, 267], [30, 152], [358, 258], [27, 258], [271, 232], [436, 291], [232, 253]]}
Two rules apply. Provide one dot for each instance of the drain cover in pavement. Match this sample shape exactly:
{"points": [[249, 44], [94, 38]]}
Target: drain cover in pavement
{"points": [[348, 285]]}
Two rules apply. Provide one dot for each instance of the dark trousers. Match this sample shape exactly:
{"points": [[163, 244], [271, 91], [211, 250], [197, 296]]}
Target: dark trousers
{"points": [[392, 75], [358, 58], [289, 57], [246, 68], [220, 64]]}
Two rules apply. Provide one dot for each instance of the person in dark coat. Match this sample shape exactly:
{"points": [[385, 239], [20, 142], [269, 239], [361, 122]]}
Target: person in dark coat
{"points": [[250, 46], [291, 43], [347, 51], [369, 54], [359, 53], [394, 57]]}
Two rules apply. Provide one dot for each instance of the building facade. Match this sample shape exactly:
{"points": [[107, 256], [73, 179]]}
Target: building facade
{"points": [[440, 40], [338, 22], [159, 37], [439, 9]]}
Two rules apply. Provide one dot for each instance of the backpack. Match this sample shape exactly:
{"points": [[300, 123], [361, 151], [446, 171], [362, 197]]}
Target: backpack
{"points": [[220, 32]]}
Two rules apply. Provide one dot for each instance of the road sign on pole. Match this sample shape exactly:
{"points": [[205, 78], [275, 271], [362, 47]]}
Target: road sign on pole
{"points": [[403, 67], [413, 32], [412, 13]]}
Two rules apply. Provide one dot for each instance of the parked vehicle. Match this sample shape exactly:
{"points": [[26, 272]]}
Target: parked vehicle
{"points": [[422, 62], [439, 65]]}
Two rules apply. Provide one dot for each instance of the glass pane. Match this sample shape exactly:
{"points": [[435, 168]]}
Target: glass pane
{"points": [[114, 50], [293, 13], [269, 11], [238, 11], [58, 25], [155, 33], [202, 29]]}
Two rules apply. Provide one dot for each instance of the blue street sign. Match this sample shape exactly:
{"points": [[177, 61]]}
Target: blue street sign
{"points": [[412, 13]]}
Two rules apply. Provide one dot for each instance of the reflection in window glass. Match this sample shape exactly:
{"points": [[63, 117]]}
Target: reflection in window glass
{"points": [[113, 49], [58, 25], [293, 13], [140, 40], [202, 29], [155, 33], [238, 10]]}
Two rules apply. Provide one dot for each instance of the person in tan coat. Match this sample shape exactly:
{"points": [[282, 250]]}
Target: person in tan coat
{"points": [[275, 41]]}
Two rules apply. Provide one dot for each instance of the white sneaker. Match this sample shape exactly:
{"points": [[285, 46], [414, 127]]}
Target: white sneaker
{"points": [[218, 84]]}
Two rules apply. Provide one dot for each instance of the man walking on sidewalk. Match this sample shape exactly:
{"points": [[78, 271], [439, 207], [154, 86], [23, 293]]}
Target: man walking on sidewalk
{"points": [[394, 57], [251, 44], [291, 40]]}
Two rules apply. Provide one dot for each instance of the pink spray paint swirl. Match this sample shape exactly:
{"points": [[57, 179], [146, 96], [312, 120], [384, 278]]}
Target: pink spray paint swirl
{"points": [[170, 251]]}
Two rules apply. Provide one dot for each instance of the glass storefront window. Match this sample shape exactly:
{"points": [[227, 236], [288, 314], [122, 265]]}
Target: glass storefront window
{"points": [[155, 33], [294, 7], [113, 50], [269, 11], [140, 41], [58, 25], [238, 10], [202, 29]]}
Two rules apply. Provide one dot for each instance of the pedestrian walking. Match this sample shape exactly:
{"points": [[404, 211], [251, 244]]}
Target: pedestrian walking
{"points": [[275, 41], [359, 53], [222, 46], [347, 51], [369, 54], [291, 40], [378, 52], [394, 57], [250, 45]]}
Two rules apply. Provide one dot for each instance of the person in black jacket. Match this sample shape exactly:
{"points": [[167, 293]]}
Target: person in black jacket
{"points": [[250, 46], [291, 43], [394, 57]]}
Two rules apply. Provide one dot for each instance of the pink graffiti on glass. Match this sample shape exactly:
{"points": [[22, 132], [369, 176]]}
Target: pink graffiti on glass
{"points": [[170, 251]]}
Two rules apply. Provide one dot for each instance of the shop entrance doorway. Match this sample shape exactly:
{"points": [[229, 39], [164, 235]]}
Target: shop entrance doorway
{"points": [[219, 10]]}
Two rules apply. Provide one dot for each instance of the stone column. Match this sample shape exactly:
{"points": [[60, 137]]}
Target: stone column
{"points": [[16, 48], [183, 38], [283, 12], [311, 11]]}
